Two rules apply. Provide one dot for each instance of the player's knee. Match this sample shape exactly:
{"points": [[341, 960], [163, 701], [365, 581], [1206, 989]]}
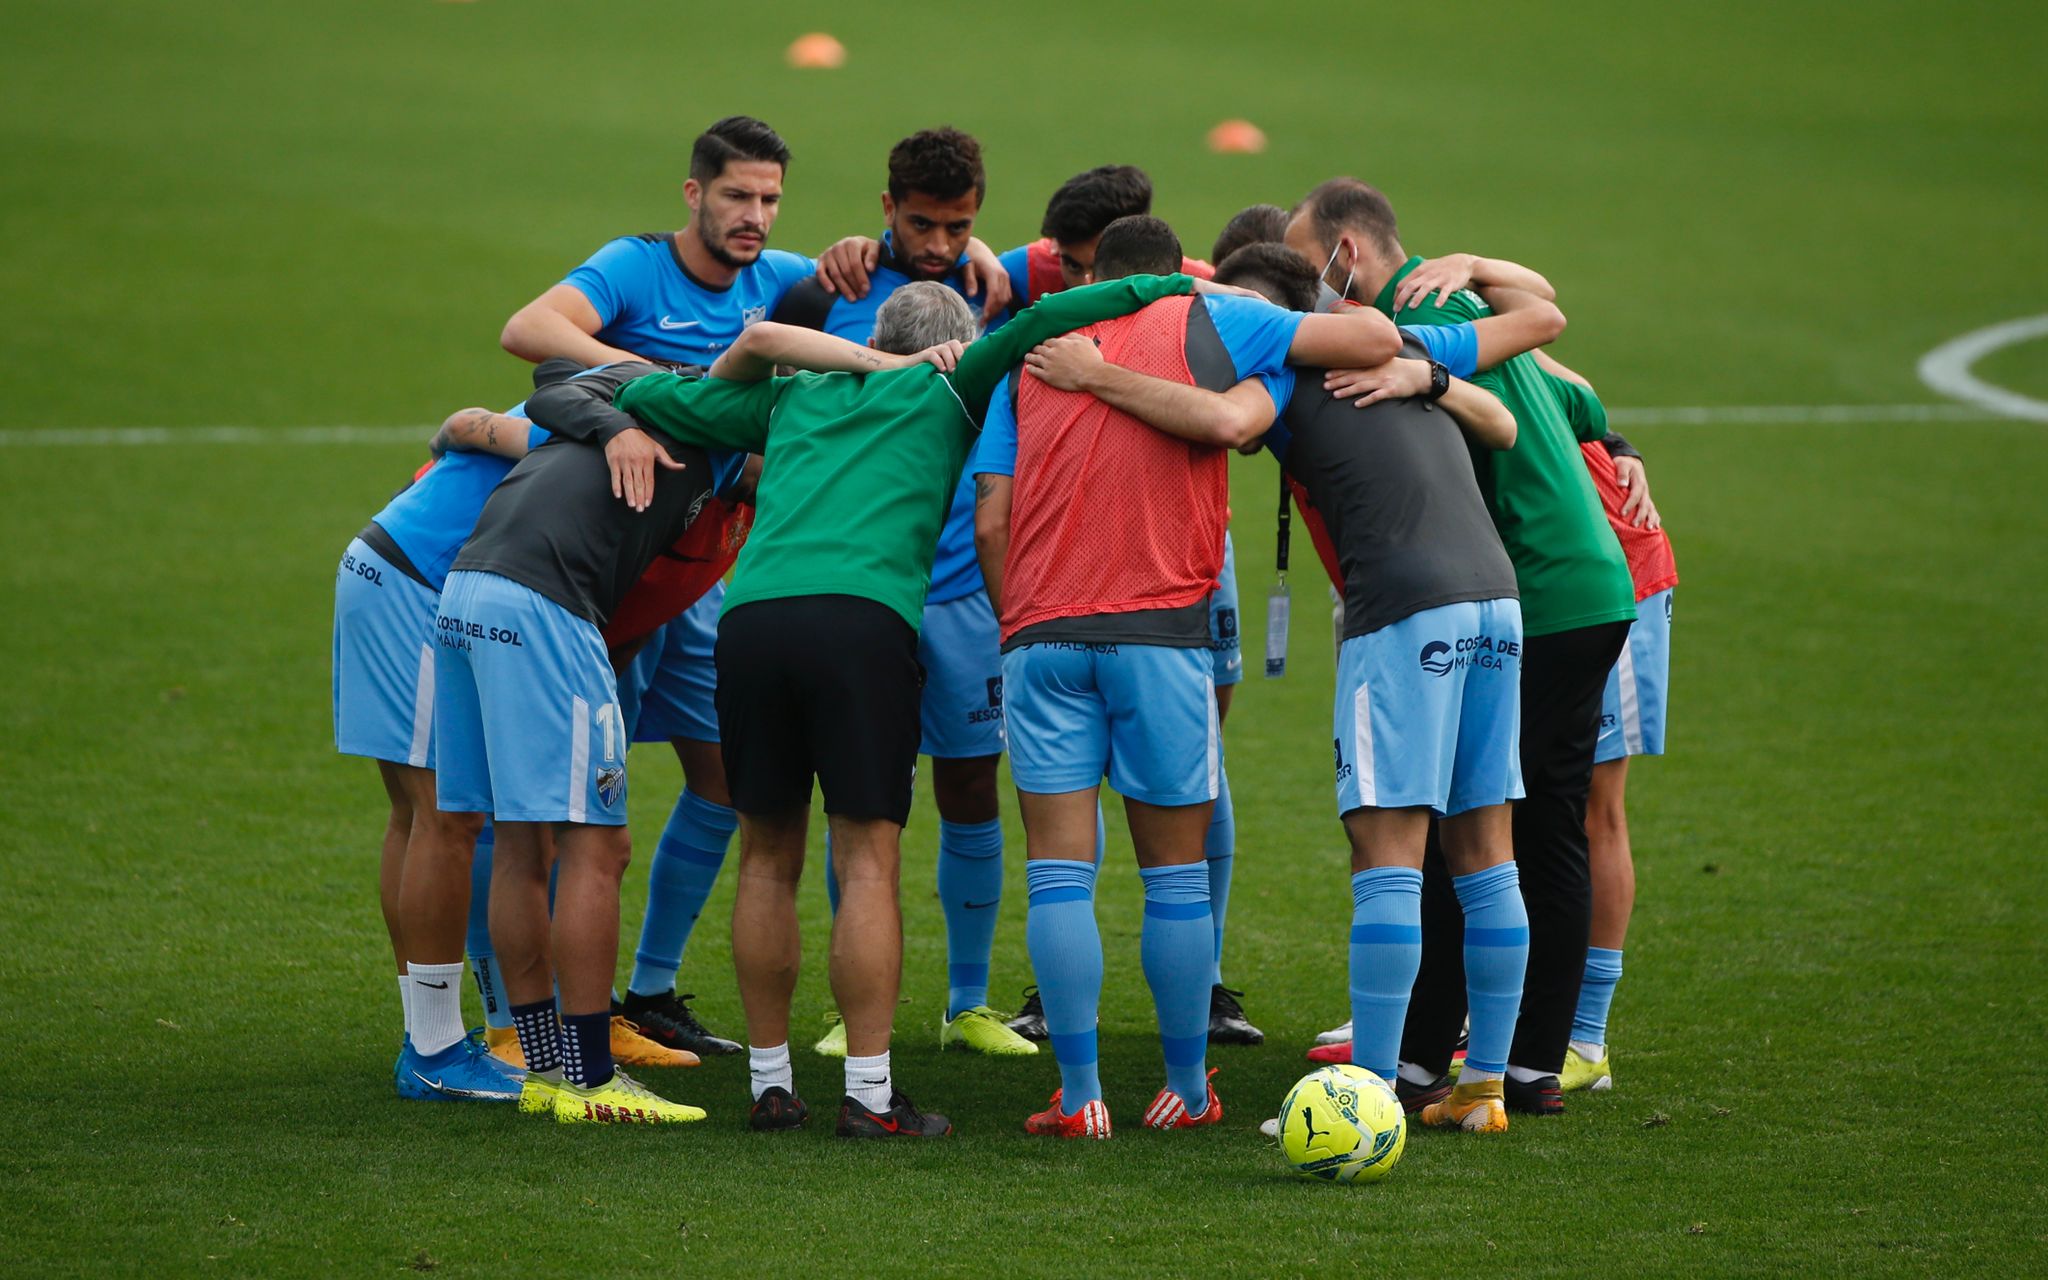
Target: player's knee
{"points": [[965, 790]]}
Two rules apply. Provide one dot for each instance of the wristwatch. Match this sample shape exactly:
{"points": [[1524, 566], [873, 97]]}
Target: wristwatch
{"points": [[1439, 382]]}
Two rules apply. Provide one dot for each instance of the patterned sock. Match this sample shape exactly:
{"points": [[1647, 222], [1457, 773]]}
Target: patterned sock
{"points": [[1386, 952], [540, 1034], [867, 1080], [679, 879], [1219, 850], [1496, 956], [483, 957], [1596, 995], [1066, 956], [436, 1006], [587, 1047], [769, 1069], [1178, 950], [970, 887]]}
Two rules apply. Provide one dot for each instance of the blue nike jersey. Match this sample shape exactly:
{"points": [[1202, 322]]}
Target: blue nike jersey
{"points": [[433, 516], [649, 304], [955, 570]]}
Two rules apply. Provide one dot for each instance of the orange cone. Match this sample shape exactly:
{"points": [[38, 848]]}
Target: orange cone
{"points": [[1237, 137], [816, 50]]}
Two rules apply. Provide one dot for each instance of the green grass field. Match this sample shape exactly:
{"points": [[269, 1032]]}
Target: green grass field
{"points": [[302, 215]]}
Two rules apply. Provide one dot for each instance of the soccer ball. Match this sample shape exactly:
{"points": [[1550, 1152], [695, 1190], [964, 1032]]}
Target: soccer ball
{"points": [[1342, 1123]]}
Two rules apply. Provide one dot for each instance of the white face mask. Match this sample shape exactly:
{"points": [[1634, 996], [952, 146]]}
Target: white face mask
{"points": [[1328, 298]]}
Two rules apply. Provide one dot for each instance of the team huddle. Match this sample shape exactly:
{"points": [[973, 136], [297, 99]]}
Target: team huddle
{"points": [[807, 520]]}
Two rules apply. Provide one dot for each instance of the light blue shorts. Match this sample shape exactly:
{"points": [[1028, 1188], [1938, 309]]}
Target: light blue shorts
{"points": [[526, 710], [1639, 686], [960, 647], [1429, 711], [1223, 621], [1142, 715], [383, 661], [670, 688]]}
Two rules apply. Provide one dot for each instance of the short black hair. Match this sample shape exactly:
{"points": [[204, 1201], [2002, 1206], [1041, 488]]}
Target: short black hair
{"points": [[1284, 276], [1253, 224], [735, 138], [943, 163], [1087, 203], [1346, 204], [1140, 245]]}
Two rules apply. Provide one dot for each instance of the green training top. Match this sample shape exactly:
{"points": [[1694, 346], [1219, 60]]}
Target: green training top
{"points": [[1568, 563], [859, 468]]}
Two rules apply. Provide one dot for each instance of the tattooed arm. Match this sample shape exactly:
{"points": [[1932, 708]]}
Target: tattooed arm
{"points": [[481, 431]]}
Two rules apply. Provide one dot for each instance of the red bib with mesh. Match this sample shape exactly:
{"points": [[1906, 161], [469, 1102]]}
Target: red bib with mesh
{"points": [[681, 575], [1650, 561], [1042, 273], [1107, 514]]}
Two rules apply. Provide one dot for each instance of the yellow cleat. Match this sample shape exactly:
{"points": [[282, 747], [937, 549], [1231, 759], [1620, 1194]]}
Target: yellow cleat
{"points": [[537, 1096], [636, 1050], [833, 1043], [1581, 1074], [503, 1043], [982, 1030], [1477, 1107], [619, 1100]]}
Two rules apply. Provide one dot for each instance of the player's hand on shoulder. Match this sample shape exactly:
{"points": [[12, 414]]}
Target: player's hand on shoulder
{"points": [[944, 357], [844, 268], [1442, 276], [633, 456], [1065, 363], [1634, 480], [1209, 288], [1393, 380], [984, 275]]}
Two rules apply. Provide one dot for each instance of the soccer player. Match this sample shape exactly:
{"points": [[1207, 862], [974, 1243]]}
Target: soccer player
{"points": [[1075, 218], [935, 190], [1253, 224], [1576, 601], [684, 297], [1427, 674], [1101, 540], [859, 470], [527, 720], [1632, 714]]}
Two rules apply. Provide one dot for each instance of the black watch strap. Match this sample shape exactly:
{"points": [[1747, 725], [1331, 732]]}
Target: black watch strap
{"points": [[1439, 381]]}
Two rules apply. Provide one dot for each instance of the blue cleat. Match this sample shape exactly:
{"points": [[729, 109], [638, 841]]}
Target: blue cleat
{"points": [[463, 1072]]}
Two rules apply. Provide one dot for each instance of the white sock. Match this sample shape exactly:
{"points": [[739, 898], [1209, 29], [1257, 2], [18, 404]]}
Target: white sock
{"points": [[1590, 1052], [1473, 1075], [867, 1081], [1415, 1075], [1522, 1075], [405, 1000], [436, 1006], [769, 1069]]}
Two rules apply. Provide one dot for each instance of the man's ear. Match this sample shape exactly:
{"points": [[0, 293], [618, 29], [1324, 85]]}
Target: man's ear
{"points": [[888, 208], [693, 194], [871, 342]]}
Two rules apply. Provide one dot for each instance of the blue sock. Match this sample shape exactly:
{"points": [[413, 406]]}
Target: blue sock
{"points": [[1179, 951], [1219, 849], [483, 957], [1496, 956], [831, 876], [1066, 956], [587, 1047], [1386, 952], [1596, 994], [679, 879], [540, 1034], [970, 886]]}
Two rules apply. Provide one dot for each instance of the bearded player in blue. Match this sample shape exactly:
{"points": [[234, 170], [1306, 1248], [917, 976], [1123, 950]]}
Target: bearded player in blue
{"points": [[682, 297], [936, 186]]}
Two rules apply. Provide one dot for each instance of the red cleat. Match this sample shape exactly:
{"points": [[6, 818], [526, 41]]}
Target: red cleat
{"points": [[1338, 1053], [1169, 1112], [1091, 1121]]}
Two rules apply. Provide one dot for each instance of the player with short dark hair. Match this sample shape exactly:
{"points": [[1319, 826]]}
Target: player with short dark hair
{"points": [[1577, 602], [1075, 218], [1253, 224], [859, 470], [936, 184], [683, 296]]}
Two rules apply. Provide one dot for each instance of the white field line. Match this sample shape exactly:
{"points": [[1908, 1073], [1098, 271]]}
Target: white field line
{"points": [[1694, 415], [1947, 368]]}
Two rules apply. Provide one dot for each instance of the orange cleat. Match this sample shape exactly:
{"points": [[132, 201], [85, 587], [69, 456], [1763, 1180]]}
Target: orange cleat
{"points": [[1091, 1121], [1168, 1111]]}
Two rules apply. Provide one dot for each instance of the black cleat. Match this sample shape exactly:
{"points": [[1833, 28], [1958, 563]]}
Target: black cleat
{"points": [[901, 1120], [1227, 1023], [666, 1019], [1543, 1096], [1414, 1097], [1030, 1020], [777, 1109]]}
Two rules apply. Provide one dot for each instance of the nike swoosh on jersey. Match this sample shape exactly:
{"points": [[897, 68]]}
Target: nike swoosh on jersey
{"points": [[667, 323]]}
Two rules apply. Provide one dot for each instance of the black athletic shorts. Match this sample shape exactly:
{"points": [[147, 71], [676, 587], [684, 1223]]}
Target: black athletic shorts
{"points": [[819, 686]]}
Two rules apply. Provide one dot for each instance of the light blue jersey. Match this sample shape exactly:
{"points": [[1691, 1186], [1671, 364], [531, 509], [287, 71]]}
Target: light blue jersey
{"points": [[648, 303], [433, 516]]}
